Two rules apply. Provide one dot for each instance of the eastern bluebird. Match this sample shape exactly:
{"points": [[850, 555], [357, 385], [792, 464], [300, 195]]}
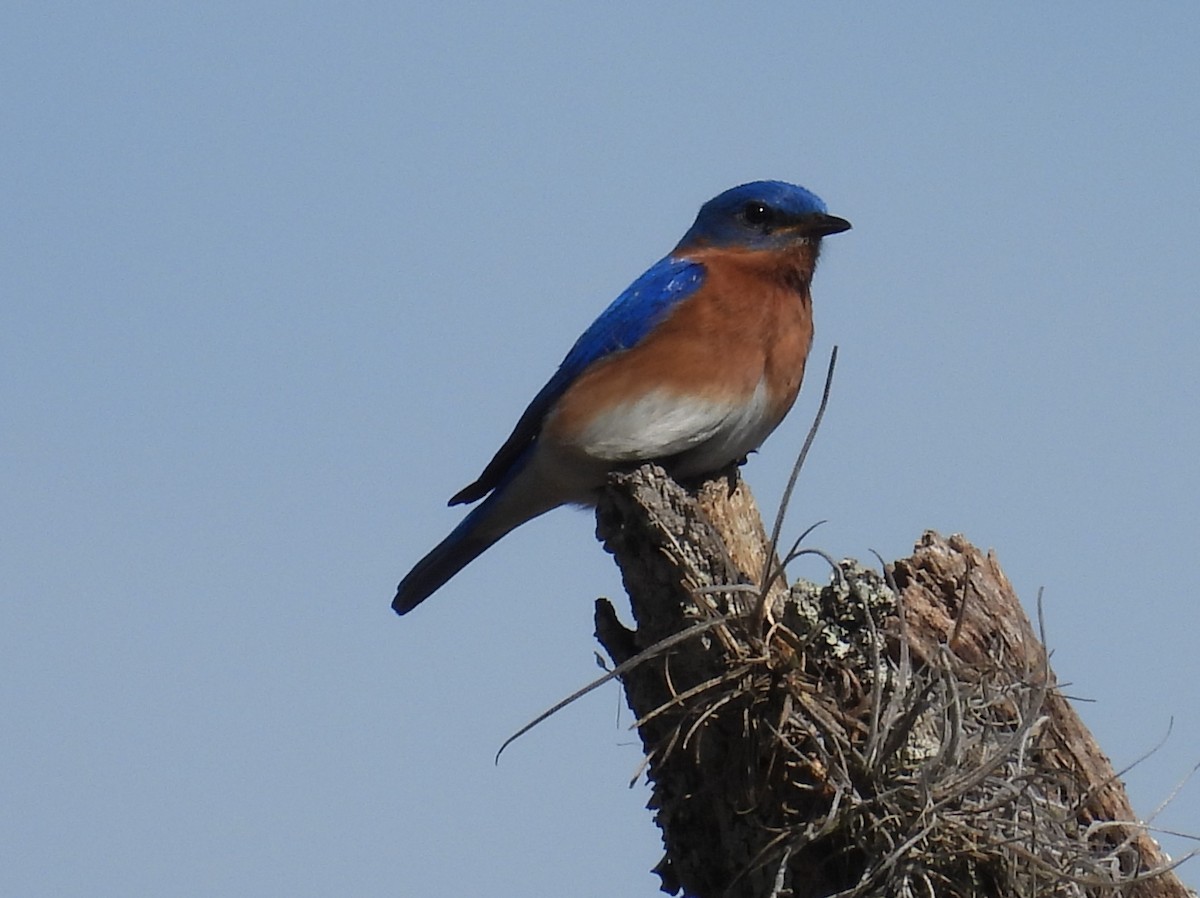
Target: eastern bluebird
{"points": [[692, 366]]}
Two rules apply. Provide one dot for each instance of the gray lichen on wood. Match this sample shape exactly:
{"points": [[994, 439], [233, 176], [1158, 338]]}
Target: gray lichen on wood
{"points": [[862, 739]]}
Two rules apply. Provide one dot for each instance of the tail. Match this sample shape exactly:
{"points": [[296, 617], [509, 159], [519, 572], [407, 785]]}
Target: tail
{"points": [[527, 490], [464, 544], [522, 497]]}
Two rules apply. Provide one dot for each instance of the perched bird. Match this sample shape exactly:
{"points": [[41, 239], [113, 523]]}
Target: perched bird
{"points": [[692, 366]]}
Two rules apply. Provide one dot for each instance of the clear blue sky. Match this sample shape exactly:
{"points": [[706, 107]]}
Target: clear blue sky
{"points": [[278, 278]]}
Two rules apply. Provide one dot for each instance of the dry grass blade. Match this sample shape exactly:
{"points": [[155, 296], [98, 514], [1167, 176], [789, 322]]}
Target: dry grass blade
{"points": [[618, 671], [774, 572]]}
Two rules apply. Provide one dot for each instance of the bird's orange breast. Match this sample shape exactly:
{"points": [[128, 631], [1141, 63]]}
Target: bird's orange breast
{"points": [[747, 328]]}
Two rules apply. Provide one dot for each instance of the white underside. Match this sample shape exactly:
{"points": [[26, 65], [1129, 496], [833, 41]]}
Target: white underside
{"points": [[700, 434], [698, 437]]}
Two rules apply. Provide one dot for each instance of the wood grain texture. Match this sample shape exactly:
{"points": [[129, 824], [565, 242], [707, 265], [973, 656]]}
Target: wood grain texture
{"points": [[757, 735], [952, 589]]}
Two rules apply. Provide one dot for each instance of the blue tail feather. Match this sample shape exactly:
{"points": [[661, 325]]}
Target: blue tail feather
{"points": [[432, 571], [447, 558]]}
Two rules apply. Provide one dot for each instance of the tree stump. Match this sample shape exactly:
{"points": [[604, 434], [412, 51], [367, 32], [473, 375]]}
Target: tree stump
{"points": [[889, 734]]}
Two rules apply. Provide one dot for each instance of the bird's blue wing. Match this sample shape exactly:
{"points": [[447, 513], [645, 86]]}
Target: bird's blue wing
{"points": [[631, 316]]}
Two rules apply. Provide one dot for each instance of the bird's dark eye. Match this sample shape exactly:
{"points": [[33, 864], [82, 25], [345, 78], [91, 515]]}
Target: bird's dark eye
{"points": [[760, 215]]}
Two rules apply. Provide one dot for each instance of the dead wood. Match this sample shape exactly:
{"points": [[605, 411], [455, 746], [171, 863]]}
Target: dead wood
{"points": [[887, 734]]}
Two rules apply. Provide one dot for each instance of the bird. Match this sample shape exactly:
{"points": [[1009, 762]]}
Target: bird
{"points": [[692, 367]]}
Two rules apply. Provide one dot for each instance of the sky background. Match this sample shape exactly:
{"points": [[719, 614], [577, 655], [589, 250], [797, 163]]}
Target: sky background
{"points": [[277, 279]]}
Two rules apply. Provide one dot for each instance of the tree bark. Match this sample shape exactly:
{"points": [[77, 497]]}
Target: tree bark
{"points": [[887, 734]]}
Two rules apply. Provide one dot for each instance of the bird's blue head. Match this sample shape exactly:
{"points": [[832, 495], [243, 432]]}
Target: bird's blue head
{"points": [[762, 215]]}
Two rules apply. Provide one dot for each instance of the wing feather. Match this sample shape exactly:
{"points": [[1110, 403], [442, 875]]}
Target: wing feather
{"points": [[631, 316]]}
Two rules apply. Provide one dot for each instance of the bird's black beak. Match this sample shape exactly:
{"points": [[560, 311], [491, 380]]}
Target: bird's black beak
{"points": [[822, 225]]}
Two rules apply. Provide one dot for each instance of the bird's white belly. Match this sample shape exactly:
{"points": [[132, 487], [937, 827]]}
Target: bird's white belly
{"points": [[700, 434]]}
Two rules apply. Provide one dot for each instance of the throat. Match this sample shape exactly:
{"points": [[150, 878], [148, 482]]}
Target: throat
{"points": [[796, 267]]}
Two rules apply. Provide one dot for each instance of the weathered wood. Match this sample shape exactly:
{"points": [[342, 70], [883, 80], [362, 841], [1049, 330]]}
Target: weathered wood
{"points": [[780, 751], [952, 589]]}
